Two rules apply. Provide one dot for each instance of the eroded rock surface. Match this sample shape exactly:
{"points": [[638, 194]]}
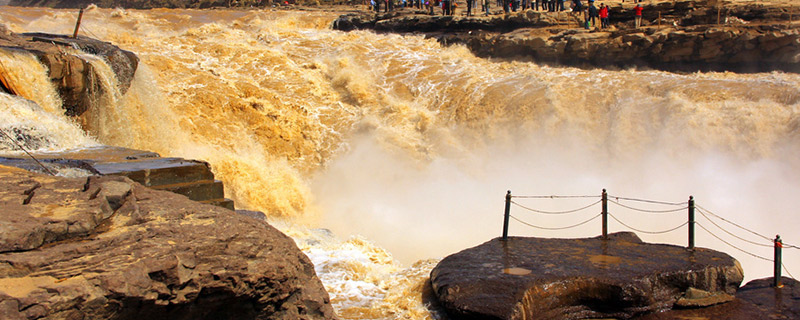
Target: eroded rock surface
{"points": [[109, 248], [536, 278]]}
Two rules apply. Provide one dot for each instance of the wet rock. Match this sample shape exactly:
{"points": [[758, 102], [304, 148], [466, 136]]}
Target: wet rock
{"points": [[779, 303], [694, 298], [536, 278], [107, 247], [756, 300]]}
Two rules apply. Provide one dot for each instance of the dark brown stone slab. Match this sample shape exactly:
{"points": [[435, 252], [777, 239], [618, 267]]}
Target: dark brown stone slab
{"points": [[758, 299], [537, 278]]}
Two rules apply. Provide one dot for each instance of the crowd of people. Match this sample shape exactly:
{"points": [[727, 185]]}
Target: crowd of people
{"points": [[591, 13]]}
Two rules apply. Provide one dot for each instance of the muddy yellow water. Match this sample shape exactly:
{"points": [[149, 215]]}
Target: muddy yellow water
{"points": [[380, 154]]}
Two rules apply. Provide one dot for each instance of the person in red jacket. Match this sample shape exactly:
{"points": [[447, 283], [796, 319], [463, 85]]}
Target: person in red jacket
{"points": [[638, 17], [603, 16]]}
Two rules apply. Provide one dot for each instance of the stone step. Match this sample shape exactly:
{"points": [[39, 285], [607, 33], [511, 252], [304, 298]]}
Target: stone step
{"points": [[196, 190], [191, 178], [222, 202], [153, 172]]}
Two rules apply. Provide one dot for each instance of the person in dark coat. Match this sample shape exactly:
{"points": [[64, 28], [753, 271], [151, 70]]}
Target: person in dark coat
{"points": [[577, 6], [593, 12]]}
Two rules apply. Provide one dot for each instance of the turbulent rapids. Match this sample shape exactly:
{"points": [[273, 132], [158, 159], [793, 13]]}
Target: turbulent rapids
{"points": [[402, 150]]}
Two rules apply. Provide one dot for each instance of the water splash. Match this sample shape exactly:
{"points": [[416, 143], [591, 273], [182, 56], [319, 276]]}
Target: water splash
{"points": [[412, 145], [33, 117]]}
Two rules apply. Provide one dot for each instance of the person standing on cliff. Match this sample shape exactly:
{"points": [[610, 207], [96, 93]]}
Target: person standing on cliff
{"points": [[592, 14], [638, 15], [603, 16]]}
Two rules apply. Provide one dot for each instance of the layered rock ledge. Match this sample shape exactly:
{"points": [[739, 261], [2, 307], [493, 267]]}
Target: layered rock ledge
{"points": [[191, 178], [676, 36], [110, 248], [622, 277]]}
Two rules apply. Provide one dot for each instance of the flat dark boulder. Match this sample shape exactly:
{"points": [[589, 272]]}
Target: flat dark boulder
{"points": [[538, 278]]}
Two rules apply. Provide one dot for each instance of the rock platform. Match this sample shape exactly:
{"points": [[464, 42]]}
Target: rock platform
{"points": [[109, 248], [622, 277]]}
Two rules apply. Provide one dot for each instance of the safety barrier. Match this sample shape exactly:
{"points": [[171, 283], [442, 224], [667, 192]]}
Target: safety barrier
{"points": [[672, 207]]}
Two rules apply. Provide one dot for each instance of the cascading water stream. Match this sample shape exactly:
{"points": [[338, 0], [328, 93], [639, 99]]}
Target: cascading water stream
{"points": [[410, 147]]}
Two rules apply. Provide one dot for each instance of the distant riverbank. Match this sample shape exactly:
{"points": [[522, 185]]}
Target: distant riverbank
{"points": [[675, 36]]}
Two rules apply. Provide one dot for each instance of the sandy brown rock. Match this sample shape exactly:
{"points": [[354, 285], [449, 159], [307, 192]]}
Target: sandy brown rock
{"points": [[108, 248], [538, 278]]}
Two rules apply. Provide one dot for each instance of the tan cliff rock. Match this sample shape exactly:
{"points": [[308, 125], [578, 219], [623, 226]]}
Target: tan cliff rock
{"points": [[109, 248]]}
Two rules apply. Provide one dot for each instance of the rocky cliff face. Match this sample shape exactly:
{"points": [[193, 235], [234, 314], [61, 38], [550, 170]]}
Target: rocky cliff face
{"points": [[109, 248], [702, 48], [74, 76], [676, 36]]}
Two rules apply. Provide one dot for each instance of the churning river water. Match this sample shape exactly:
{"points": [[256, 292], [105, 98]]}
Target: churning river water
{"points": [[380, 154]]}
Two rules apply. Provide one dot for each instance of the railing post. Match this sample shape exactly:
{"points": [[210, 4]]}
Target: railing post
{"points": [[78, 24], [776, 276], [691, 222], [507, 213], [604, 199]]}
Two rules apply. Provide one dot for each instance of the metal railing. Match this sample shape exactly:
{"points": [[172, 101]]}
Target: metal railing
{"points": [[689, 207]]}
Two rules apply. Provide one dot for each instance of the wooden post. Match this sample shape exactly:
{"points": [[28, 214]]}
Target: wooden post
{"points": [[507, 214], [719, 12], [78, 24], [659, 20], [776, 275], [604, 199], [691, 222]]}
